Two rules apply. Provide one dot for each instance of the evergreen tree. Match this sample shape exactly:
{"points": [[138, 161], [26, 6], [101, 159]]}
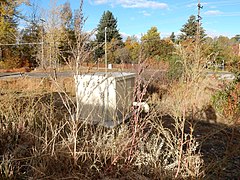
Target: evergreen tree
{"points": [[151, 42], [32, 33], [109, 21], [173, 37], [28, 52], [189, 30], [155, 47], [8, 31], [8, 21]]}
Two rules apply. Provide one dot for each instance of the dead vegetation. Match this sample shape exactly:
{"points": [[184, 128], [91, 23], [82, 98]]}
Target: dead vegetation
{"points": [[41, 136], [39, 140], [37, 85], [182, 137]]}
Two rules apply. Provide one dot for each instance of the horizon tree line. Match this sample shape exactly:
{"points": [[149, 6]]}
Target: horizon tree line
{"points": [[57, 35]]}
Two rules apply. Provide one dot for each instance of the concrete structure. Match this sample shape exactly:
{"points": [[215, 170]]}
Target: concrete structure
{"points": [[105, 98]]}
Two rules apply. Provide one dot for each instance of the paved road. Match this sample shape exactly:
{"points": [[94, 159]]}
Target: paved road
{"points": [[10, 75], [222, 75], [47, 74], [219, 75], [34, 74]]}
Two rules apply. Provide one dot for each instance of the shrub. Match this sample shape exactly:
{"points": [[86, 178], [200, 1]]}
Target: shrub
{"points": [[12, 62], [176, 69], [226, 102]]}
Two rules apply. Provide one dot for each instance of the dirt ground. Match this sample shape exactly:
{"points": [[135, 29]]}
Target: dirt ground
{"points": [[219, 145]]}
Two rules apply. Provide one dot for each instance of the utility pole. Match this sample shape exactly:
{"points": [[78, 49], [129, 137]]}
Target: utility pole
{"points": [[198, 36], [106, 50], [199, 18], [42, 20], [106, 67]]}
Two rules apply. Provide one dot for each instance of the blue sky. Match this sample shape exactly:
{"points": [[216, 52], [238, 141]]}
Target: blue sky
{"points": [[136, 17]]}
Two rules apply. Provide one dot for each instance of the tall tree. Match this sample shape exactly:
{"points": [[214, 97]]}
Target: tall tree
{"points": [[9, 17], [66, 16], [189, 30], [151, 42], [67, 29], [156, 48], [110, 22], [52, 36], [219, 50], [32, 34], [132, 46], [8, 21], [173, 37]]}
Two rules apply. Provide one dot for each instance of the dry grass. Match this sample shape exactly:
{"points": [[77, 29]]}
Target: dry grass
{"points": [[41, 136], [189, 98], [39, 139], [37, 85], [47, 142]]}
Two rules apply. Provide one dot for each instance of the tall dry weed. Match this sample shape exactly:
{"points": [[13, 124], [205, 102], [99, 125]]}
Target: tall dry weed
{"points": [[39, 141]]}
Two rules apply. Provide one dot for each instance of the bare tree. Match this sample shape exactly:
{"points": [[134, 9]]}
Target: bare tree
{"points": [[79, 51], [53, 35]]}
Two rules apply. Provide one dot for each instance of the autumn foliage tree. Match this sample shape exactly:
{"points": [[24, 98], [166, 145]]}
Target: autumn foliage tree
{"points": [[156, 48], [150, 42], [220, 51], [132, 46]]}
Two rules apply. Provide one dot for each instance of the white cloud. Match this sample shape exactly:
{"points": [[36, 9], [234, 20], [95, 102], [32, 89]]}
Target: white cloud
{"points": [[215, 33], [231, 14], [223, 14], [145, 13], [142, 4], [124, 35], [167, 34], [213, 13], [100, 1], [134, 3], [212, 7]]}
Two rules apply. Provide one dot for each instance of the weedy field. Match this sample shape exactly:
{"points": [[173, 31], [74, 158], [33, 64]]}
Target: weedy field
{"points": [[189, 133], [191, 130]]}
